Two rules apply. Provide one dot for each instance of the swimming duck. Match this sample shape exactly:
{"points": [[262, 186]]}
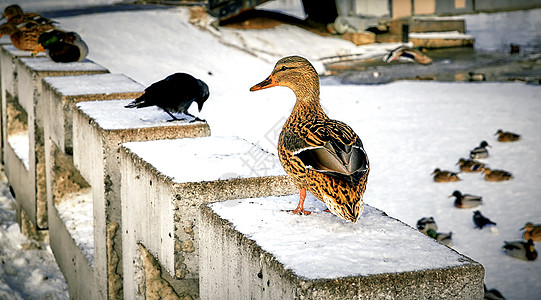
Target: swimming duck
{"points": [[466, 200], [62, 46], [480, 151], [496, 175], [506, 136], [481, 221], [322, 156], [174, 94], [533, 232], [444, 238], [426, 223], [521, 249], [445, 176], [470, 165], [407, 54]]}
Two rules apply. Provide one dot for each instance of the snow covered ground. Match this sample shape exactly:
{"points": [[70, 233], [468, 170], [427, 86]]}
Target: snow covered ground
{"points": [[408, 129]]}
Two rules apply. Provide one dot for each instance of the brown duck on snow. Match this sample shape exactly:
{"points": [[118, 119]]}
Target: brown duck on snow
{"points": [[323, 156]]}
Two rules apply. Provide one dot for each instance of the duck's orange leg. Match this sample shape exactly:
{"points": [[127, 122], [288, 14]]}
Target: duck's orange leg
{"points": [[300, 210]]}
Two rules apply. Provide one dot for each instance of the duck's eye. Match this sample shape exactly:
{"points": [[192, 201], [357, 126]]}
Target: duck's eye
{"points": [[283, 68]]}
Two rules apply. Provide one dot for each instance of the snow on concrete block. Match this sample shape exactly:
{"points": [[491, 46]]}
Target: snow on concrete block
{"points": [[163, 184], [61, 94], [99, 128], [254, 248]]}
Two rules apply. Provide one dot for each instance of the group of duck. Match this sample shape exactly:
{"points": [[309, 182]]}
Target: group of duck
{"points": [[33, 32], [532, 232], [473, 165]]}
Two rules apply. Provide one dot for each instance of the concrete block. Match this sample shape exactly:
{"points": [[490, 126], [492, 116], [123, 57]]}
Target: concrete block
{"points": [[163, 184], [9, 56], [360, 38], [441, 39], [29, 74], [61, 93], [98, 133], [254, 249], [437, 25]]}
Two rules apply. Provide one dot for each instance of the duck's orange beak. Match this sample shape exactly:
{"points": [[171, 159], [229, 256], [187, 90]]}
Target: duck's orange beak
{"points": [[267, 83]]}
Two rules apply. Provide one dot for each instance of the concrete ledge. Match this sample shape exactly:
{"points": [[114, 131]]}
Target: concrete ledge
{"points": [[160, 199], [98, 133], [31, 71], [29, 74], [62, 93], [253, 249]]}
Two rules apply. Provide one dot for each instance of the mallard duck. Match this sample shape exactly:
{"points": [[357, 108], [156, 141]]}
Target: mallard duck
{"points": [[521, 249], [466, 200], [481, 221], [533, 232], [322, 156], [24, 36], [426, 223], [24, 28], [174, 94], [496, 175], [62, 46], [407, 54], [444, 238], [14, 14], [506, 136], [470, 165], [445, 176], [480, 151]]}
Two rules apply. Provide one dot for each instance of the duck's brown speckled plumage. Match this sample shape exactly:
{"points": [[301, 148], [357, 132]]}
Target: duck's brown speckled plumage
{"points": [[470, 165], [445, 176], [497, 175], [24, 29], [506, 136], [323, 156]]}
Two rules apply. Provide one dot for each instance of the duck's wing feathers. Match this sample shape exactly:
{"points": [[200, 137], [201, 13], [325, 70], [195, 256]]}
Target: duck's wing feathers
{"points": [[331, 146]]}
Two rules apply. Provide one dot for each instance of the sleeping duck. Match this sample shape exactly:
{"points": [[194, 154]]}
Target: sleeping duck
{"points": [[62, 46]]}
